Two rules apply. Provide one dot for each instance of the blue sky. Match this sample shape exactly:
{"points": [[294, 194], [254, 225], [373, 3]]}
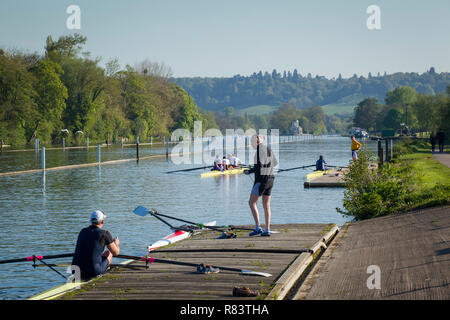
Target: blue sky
{"points": [[224, 38]]}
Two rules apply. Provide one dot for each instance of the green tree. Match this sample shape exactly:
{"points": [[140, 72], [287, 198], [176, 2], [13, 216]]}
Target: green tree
{"points": [[17, 100], [50, 99], [366, 113]]}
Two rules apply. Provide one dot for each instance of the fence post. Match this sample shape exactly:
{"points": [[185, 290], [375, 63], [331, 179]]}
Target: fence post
{"points": [[98, 154], [167, 147], [380, 153], [387, 149], [64, 143], [87, 142]]}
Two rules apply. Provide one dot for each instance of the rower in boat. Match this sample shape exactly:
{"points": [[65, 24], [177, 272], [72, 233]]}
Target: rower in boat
{"points": [[217, 164], [235, 161], [226, 163], [321, 165], [89, 255]]}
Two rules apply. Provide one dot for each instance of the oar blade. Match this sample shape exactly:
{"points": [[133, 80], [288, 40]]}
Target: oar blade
{"points": [[255, 273], [141, 211]]}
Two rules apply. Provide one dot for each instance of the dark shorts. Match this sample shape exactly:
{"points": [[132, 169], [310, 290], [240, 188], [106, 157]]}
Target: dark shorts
{"points": [[263, 188], [101, 268]]}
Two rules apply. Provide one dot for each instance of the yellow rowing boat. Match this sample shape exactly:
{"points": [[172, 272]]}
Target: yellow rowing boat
{"points": [[216, 173], [316, 174]]}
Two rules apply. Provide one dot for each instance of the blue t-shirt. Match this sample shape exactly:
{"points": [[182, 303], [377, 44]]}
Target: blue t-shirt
{"points": [[320, 165]]}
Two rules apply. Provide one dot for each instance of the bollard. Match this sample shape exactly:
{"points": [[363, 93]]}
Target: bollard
{"points": [[43, 158], [137, 151], [98, 154], [64, 143]]}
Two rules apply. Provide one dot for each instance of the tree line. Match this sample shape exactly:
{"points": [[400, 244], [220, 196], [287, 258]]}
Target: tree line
{"points": [[404, 106], [65, 93], [303, 91], [312, 120]]}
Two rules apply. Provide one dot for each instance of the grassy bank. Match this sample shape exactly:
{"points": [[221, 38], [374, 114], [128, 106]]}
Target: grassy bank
{"points": [[413, 180]]}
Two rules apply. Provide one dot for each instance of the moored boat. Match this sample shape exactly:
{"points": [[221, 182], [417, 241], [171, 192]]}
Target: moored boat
{"points": [[175, 236], [317, 174]]}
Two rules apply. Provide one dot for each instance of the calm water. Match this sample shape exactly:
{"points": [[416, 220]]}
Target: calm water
{"points": [[42, 214]]}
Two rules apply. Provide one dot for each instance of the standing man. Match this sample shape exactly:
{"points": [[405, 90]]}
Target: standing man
{"points": [[355, 147], [262, 187], [441, 140], [432, 141], [89, 255]]}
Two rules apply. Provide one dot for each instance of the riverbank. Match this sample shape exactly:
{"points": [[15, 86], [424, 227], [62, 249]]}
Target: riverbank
{"points": [[401, 257], [412, 180]]}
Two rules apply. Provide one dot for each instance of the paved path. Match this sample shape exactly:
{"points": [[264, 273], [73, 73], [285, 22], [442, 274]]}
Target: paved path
{"points": [[443, 158], [412, 252]]}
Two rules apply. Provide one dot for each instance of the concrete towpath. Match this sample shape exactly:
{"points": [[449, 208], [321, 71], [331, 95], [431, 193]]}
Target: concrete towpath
{"points": [[400, 257], [443, 158]]}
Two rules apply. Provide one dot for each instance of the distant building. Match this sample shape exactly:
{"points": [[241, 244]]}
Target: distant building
{"points": [[295, 128]]}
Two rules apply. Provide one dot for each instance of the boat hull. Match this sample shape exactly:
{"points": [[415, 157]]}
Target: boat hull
{"points": [[175, 236], [316, 174], [217, 173]]}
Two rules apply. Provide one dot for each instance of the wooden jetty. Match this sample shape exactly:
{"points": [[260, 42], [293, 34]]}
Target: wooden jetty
{"points": [[167, 281], [333, 179]]}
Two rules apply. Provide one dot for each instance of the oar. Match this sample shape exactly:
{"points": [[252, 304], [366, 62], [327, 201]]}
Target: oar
{"points": [[142, 211], [36, 257], [303, 167], [156, 260], [190, 169]]}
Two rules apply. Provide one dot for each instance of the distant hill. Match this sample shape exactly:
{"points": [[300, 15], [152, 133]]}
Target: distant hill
{"points": [[272, 89], [257, 110], [339, 108]]}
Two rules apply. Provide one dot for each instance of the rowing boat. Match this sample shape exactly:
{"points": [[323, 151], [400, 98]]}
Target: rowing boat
{"points": [[217, 173], [175, 236], [317, 174], [66, 287]]}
